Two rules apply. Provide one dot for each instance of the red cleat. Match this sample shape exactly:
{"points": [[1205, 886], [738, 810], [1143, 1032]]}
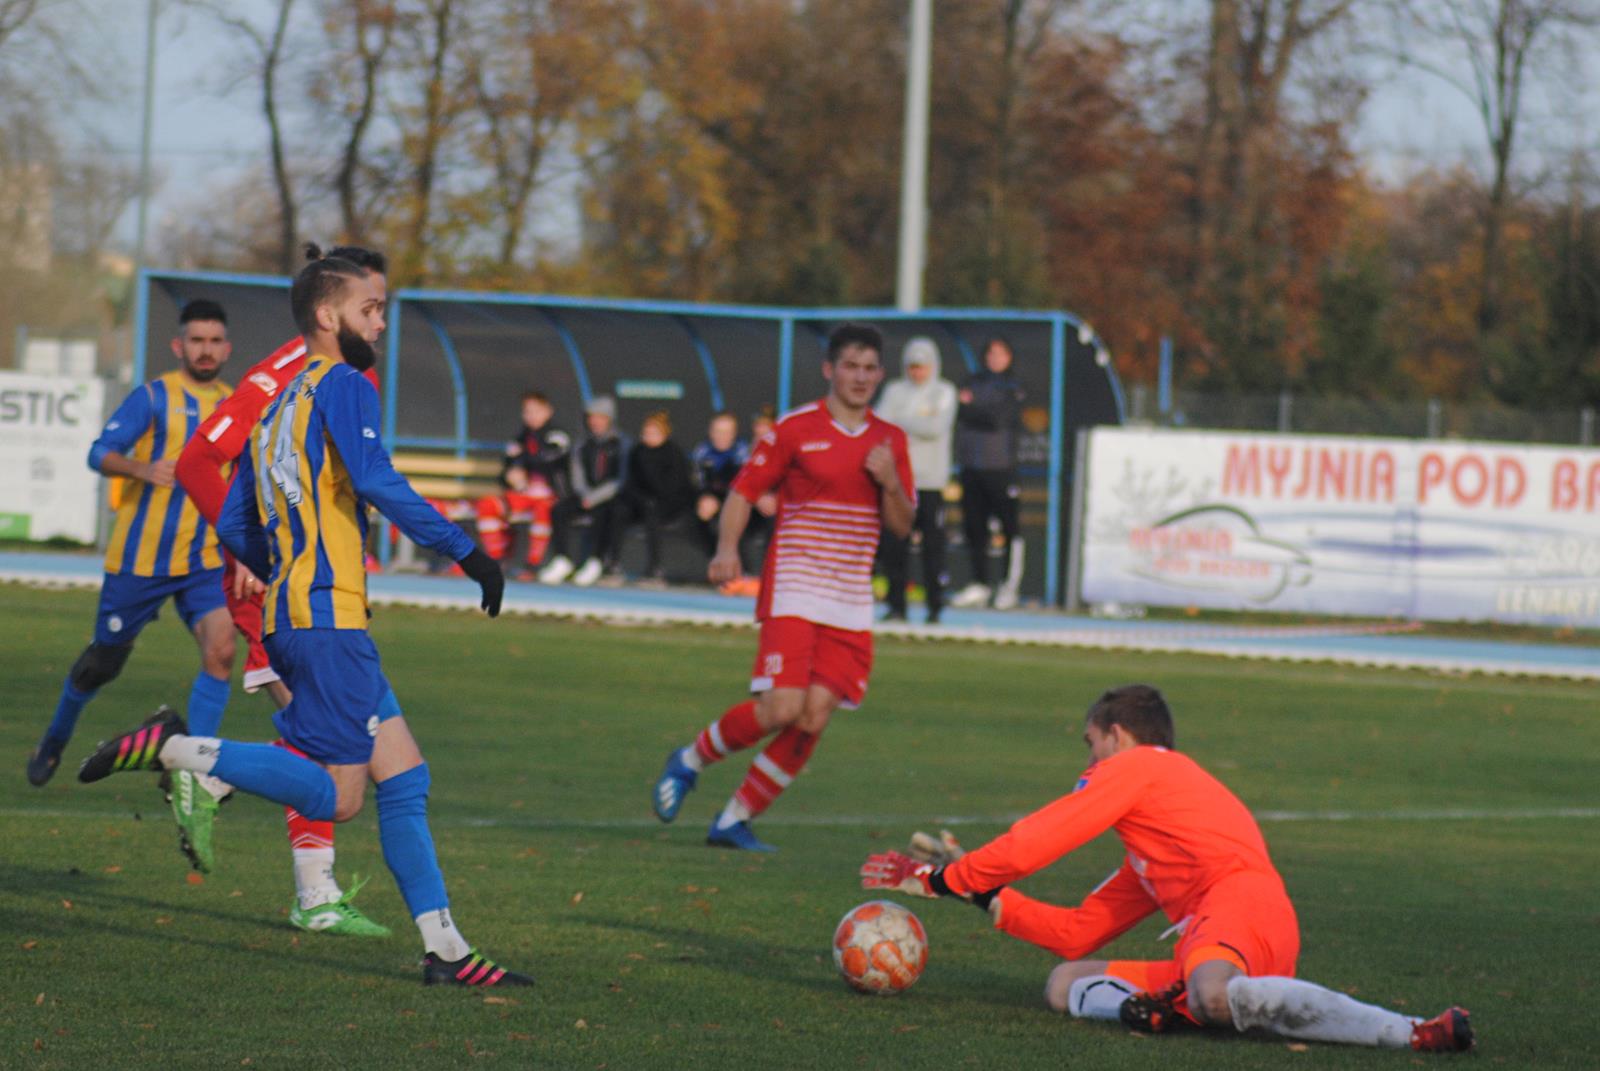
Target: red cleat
{"points": [[1449, 1031]]}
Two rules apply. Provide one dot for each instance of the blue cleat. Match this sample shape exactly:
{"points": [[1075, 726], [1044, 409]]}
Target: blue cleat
{"points": [[676, 781], [739, 836], [44, 760]]}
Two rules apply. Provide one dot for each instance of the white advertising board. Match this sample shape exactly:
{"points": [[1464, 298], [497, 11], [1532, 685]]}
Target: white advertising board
{"points": [[47, 424], [1420, 529]]}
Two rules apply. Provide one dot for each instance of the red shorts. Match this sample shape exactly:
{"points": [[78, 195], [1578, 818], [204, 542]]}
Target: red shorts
{"points": [[796, 653], [1245, 919], [246, 613]]}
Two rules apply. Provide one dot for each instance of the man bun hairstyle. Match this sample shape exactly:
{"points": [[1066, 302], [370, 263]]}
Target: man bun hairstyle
{"points": [[366, 259], [846, 336], [1139, 709], [320, 281], [202, 309]]}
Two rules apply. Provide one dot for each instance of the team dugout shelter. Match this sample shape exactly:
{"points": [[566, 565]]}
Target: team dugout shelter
{"points": [[455, 365]]}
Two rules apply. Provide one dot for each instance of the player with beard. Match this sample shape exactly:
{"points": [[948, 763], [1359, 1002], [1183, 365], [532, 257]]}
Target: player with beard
{"points": [[297, 514], [841, 474], [161, 547], [205, 471]]}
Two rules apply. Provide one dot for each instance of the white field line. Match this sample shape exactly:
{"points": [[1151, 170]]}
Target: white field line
{"points": [[1151, 641], [855, 821]]}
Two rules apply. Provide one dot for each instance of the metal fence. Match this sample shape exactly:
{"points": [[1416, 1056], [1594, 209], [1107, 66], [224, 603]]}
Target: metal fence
{"points": [[1428, 418]]}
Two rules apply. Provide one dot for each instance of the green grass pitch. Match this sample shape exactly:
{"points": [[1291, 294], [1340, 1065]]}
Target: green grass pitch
{"points": [[653, 951]]}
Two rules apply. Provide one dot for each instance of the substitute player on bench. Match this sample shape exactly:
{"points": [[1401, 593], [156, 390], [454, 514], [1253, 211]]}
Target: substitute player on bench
{"points": [[297, 514], [205, 471], [841, 473], [1195, 853], [160, 547]]}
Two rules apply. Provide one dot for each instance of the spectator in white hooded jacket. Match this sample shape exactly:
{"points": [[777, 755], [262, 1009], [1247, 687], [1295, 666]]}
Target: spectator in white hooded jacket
{"points": [[925, 408]]}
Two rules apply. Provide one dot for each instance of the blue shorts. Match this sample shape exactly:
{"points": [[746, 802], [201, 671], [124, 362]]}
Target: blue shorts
{"points": [[340, 692], [129, 603]]}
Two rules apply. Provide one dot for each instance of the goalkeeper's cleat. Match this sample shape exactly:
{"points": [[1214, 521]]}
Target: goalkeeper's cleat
{"points": [[472, 969], [738, 836], [1449, 1031], [43, 762], [340, 917], [139, 749], [195, 807], [1156, 1013], [676, 781]]}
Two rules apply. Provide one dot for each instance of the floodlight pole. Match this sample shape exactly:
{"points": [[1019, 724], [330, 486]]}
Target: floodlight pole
{"points": [[145, 134], [914, 160]]}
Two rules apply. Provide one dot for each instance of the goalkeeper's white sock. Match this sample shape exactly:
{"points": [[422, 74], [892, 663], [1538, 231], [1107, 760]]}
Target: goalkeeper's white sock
{"points": [[1291, 1008], [440, 936], [1099, 996]]}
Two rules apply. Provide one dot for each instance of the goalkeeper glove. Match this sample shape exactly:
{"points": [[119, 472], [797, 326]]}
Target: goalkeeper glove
{"points": [[940, 852], [895, 870], [486, 571]]}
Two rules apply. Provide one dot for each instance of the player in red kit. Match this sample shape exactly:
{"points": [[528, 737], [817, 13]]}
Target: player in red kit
{"points": [[1195, 854], [205, 469], [841, 475]]}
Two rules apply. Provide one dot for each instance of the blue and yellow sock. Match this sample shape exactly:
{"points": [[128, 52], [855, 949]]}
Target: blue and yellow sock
{"points": [[208, 698]]}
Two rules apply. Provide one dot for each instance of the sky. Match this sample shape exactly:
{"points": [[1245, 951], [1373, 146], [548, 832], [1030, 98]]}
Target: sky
{"points": [[208, 126]]}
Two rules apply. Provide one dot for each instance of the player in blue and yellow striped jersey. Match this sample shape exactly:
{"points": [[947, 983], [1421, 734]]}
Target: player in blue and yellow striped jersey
{"points": [[160, 546], [296, 514]]}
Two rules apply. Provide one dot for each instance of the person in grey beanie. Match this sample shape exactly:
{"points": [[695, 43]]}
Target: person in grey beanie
{"points": [[599, 468], [924, 406]]}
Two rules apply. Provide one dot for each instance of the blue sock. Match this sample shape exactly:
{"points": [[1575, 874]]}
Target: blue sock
{"points": [[207, 700], [278, 775], [68, 708], [407, 844]]}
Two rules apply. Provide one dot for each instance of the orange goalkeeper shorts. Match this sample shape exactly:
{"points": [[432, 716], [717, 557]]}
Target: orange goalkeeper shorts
{"points": [[1245, 919]]}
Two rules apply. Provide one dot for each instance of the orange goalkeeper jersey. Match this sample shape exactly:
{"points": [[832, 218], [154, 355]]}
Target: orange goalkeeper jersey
{"points": [[1182, 828]]}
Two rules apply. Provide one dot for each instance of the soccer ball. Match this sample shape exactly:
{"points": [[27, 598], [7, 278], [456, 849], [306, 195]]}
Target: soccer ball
{"points": [[880, 948]]}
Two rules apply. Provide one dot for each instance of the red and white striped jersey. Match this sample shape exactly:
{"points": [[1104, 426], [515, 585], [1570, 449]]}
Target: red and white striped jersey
{"points": [[819, 560], [204, 467]]}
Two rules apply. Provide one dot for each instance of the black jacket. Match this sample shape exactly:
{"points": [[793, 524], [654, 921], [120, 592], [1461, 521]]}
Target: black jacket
{"points": [[540, 452], [986, 427], [599, 467], [661, 474]]}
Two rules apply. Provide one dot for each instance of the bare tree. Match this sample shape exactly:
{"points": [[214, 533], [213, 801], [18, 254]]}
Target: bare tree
{"points": [[1252, 49], [1500, 40], [14, 14], [355, 88], [269, 48]]}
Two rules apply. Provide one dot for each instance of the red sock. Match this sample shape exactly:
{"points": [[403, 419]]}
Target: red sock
{"points": [[736, 730], [775, 768], [303, 832]]}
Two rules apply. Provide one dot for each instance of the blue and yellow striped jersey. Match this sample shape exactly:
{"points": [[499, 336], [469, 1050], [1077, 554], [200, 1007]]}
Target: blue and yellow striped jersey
{"points": [[158, 531], [297, 511]]}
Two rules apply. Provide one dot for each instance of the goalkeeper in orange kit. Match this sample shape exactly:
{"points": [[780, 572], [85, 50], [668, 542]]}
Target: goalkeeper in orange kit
{"points": [[1195, 853]]}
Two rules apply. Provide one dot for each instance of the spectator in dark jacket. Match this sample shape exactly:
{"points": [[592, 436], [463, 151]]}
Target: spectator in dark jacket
{"points": [[660, 486], [533, 477], [598, 471], [987, 425], [717, 460]]}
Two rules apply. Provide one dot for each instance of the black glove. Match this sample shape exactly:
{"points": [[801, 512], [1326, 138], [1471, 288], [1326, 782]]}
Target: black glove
{"points": [[486, 571]]}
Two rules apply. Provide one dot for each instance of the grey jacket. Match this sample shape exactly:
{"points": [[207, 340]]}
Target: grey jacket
{"points": [[927, 415]]}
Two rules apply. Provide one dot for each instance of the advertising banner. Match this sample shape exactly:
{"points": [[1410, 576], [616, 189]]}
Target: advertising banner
{"points": [[1421, 529], [47, 424]]}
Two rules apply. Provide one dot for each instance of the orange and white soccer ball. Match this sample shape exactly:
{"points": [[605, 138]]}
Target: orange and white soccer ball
{"points": [[880, 947]]}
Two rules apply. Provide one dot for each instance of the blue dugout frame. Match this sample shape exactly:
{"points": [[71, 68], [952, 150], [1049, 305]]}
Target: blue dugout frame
{"points": [[683, 314]]}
